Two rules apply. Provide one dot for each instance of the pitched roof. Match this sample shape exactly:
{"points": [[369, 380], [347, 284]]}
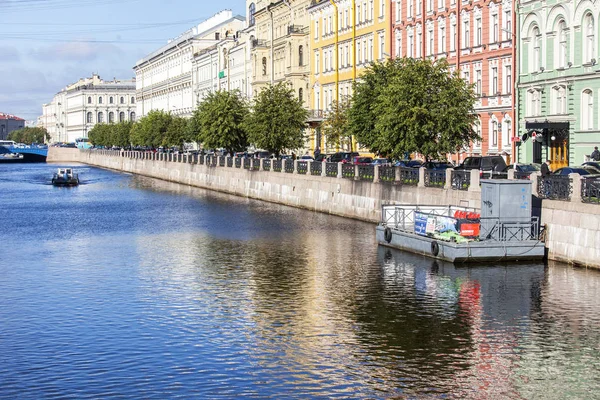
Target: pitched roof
{"points": [[8, 116]]}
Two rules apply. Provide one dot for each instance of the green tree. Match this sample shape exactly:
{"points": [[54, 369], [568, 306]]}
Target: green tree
{"points": [[99, 135], [29, 135], [150, 131], [120, 134], [278, 120], [177, 133], [361, 113], [423, 108], [218, 122], [336, 126]]}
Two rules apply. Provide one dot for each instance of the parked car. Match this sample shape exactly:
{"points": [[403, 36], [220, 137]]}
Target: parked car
{"points": [[595, 164], [382, 162], [582, 170], [343, 157], [525, 168], [307, 157], [437, 165], [487, 165], [362, 160], [262, 154], [408, 163], [322, 157]]}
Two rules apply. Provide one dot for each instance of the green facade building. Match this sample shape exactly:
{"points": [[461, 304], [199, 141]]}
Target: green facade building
{"points": [[559, 81]]}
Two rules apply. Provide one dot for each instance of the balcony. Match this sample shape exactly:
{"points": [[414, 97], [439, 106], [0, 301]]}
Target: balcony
{"points": [[296, 29], [259, 43]]}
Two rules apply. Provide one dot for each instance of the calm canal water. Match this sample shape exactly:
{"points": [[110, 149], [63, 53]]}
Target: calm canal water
{"points": [[131, 287]]}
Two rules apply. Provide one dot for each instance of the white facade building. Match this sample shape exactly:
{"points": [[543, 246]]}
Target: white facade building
{"points": [[75, 110], [227, 64], [164, 78]]}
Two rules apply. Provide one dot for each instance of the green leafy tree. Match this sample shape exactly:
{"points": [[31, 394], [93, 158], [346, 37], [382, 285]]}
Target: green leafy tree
{"points": [[100, 135], [150, 131], [29, 135], [120, 134], [423, 108], [177, 133], [218, 122], [278, 120], [361, 113], [336, 127]]}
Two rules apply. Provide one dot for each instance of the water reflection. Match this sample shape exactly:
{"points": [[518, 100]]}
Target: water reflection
{"points": [[171, 291]]}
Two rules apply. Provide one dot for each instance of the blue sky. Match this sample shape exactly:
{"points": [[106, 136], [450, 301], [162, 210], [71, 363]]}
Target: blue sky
{"points": [[47, 44]]}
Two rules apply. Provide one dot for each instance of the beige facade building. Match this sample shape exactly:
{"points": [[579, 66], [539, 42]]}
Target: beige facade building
{"points": [[280, 51]]}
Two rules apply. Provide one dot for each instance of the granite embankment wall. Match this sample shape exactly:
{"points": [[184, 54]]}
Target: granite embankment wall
{"points": [[572, 228]]}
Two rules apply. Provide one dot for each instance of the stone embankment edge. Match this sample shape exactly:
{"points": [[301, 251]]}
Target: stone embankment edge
{"points": [[573, 229]]}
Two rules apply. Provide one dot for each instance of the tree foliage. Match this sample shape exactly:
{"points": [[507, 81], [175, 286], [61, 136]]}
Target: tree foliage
{"points": [[413, 106], [109, 135], [29, 135], [336, 125], [177, 133], [218, 122], [151, 130], [277, 120]]}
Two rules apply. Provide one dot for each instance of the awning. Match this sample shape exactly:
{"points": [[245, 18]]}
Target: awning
{"points": [[546, 125]]}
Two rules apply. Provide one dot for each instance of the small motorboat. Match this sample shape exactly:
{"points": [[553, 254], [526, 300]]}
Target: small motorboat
{"points": [[65, 177]]}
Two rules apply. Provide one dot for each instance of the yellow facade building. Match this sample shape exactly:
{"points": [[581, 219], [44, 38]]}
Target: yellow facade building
{"points": [[345, 37]]}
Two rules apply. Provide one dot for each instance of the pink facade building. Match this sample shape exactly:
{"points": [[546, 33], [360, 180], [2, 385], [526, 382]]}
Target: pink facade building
{"points": [[477, 37]]}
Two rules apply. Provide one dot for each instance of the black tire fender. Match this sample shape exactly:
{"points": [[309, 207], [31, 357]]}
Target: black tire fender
{"points": [[387, 234], [435, 248]]}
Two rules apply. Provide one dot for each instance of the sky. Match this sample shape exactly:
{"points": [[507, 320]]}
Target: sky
{"points": [[47, 44]]}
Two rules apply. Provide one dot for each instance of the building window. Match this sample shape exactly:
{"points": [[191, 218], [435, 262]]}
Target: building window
{"points": [[89, 118], [507, 31], [559, 97], [100, 100], [122, 100], [563, 44], [494, 83], [467, 34], [132, 100], [587, 110], [494, 138], [317, 61], [430, 42], [494, 33], [100, 117], [382, 10], [111, 100], [251, 12], [398, 44], [300, 56], [111, 117], [132, 116], [90, 100], [478, 82], [381, 46], [478, 32], [410, 8], [537, 50], [442, 38], [588, 39], [264, 66], [453, 36], [508, 79], [301, 95], [506, 131], [316, 30], [121, 116], [398, 10]]}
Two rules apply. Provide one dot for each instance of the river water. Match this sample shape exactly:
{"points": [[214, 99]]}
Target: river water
{"points": [[135, 288]]}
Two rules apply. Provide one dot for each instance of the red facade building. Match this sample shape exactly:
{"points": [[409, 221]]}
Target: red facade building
{"points": [[477, 37]]}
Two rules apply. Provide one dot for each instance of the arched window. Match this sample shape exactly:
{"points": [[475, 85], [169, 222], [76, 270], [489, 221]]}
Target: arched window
{"points": [[537, 50], [477, 143], [563, 45], [264, 65], [89, 99], [111, 100], [506, 131], [300, 56], [588, 39], [132, 116], [301, 95], [90, 117], [122, 100], [587, 109], [132, 100], [251, 11], [100, 100], [493, 134], [121, 116], [111, 117], [100, 117]]}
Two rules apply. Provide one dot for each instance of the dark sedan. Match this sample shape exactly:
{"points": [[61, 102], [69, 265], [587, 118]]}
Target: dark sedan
{"points": [[583, 170]]}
